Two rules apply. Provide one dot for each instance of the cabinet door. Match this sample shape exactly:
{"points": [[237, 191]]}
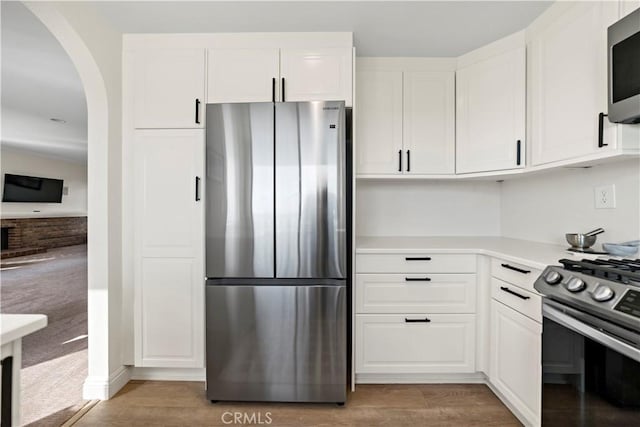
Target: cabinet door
{"points": [[169, 248], [169, 88], [242, 75], [168, 217], [515, 352], [379, 122], [389, 344], [490, 112], [171, 317], [317, 74], [569, 84], [429, 122]]}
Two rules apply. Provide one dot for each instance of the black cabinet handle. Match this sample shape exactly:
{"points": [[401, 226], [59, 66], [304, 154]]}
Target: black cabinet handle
{"points": [[417, 279], [509, 291], [197, 188], [273, 89], [408, 160], [7, 393], [518, 152], [197, 111], [399, 160], [601, 117], [413, 258], [282, 90], [425, 320], [519, 270]]}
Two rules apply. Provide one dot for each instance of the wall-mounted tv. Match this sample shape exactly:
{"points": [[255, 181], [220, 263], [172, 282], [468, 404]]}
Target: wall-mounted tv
{"points": [[31, 189]]}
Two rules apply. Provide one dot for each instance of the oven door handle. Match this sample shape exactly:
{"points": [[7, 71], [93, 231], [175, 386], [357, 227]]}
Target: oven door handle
{"points": [[590, 332]]}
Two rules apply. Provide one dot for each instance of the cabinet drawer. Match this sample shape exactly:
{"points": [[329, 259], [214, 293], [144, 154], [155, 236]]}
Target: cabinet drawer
{"points": [[415, 293], [416, 263], [514, 273], [523, 301], [391, 344]]}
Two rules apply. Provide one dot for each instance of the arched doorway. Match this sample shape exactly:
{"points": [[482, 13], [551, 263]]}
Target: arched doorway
{"points": [[105, 371]]}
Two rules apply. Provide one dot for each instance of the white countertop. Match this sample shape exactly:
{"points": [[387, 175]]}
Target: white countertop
{"points": [[534, 254], [15, 326]]}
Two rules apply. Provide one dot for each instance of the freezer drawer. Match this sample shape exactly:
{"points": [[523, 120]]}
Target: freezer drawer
{"points": [[276, 343]]}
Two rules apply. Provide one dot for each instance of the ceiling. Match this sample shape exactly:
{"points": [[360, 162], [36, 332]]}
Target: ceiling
{"points": [[39, 82], [381, 28]]}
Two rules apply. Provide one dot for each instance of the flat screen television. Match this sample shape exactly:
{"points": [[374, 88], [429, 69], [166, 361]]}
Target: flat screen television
{"points": [[31, 189]]}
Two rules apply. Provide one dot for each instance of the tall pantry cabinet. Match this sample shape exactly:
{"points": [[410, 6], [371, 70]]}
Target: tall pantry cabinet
{"points": [[167, 82]]}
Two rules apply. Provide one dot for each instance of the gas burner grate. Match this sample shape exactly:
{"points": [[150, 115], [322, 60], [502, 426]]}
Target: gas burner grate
{"points": [[624, 271]]}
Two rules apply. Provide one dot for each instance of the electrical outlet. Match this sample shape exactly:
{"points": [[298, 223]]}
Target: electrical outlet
{"points": [[605, 196]]}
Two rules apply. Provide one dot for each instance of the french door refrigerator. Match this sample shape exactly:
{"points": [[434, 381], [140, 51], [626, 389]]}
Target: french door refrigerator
{"points": [[277, 236]]}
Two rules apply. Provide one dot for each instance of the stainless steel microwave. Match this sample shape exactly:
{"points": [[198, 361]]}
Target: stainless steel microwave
{"points": [[623, 40]]}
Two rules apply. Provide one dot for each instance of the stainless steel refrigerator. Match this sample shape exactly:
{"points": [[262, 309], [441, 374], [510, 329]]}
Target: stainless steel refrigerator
{"points": [[277, 223]]}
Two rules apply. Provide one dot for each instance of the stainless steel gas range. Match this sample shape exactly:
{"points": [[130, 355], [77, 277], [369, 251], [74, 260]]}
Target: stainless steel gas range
{"points": [[591, 343]]}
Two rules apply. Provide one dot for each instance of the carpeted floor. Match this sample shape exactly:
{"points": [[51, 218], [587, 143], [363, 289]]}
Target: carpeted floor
{"points": [[55, 358]]}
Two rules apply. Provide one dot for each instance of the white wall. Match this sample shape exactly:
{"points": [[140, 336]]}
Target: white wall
{"points": [[428, 208], [74, 175], [545, 207]]}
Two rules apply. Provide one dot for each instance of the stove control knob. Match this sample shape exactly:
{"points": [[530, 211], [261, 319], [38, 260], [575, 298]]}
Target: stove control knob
{"points": [[576, 285], [553, 277], [602, 293]]}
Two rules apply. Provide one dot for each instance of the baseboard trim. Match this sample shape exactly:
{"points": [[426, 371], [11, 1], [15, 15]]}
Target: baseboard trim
{"points": [[468, 378], [168, 374], [100, 388]]}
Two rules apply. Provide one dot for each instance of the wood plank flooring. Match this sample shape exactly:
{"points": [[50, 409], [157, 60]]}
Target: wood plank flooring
{"points": [[161, 403]]}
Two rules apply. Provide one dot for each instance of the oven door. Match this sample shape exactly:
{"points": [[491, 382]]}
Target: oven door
{"points": [[590, 370]]}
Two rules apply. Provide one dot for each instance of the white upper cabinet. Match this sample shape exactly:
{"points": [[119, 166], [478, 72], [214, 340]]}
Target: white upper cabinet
{"points": [[168, 86], [405, 123], [429, 122], [323, 74], [242, 75], [568, 83], [379, 122], [626, 7], [490, 122]]}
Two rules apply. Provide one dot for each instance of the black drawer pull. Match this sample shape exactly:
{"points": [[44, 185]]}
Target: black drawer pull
{"points": [[197, 188], [399, 160], [417, 279], [509, 291], [518, 153], [417, 258], [197, 111], [425, 320], [519, 270]]}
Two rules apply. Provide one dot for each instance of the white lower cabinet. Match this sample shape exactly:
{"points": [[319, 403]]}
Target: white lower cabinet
{"points": [[416, 343], [171, 323], [515, 354]]}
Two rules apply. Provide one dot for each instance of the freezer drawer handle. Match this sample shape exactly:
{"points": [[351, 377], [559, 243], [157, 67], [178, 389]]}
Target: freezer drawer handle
{"points": [[519, 270], [425, 320], [417, 279], [509, 291], [418, 258]]}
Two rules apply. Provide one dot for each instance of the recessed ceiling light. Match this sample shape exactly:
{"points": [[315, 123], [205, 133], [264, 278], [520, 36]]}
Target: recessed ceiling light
{"points": [[58, 120]]}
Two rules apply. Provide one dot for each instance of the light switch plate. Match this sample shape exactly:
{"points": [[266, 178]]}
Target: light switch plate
{"points": [[605, 196]]}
